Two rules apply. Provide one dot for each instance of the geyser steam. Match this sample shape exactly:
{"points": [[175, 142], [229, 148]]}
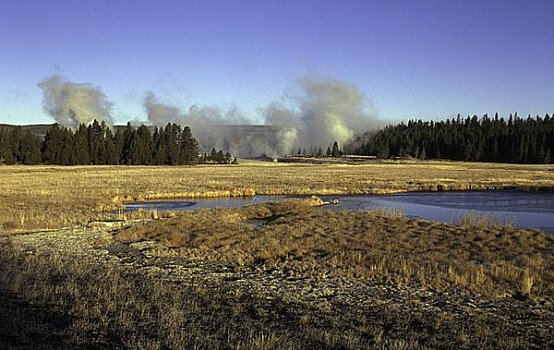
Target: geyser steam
{"points": [[326, 111], [71, 104], [331, 110], [212, 127]]}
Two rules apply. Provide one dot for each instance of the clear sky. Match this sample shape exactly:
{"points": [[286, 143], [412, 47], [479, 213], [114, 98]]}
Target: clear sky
{"points": [[427, 59]]}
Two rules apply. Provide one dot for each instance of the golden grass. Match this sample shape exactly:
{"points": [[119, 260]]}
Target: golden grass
{"points": [[443, 269], [485, 220], [118, 306], [496, 262], [52, 196], [107, 307]]}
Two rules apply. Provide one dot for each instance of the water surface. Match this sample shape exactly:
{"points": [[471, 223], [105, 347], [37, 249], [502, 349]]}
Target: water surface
{"points": [[520, 209], [202, 203]]}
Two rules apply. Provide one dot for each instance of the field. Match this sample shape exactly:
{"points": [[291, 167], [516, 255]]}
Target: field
{"points": [[275, 275], [54, 197]]}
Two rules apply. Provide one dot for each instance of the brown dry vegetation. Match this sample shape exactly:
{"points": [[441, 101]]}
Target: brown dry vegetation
{"points": [[306, 278], [491, 261], [275, 275], [52, 197]]}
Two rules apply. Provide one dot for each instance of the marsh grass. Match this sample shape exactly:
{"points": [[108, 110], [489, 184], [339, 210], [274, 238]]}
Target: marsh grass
{"points": [[33, 197], [119, 306], [484, 220], [491, 260], [54, 300], [390, 211]]}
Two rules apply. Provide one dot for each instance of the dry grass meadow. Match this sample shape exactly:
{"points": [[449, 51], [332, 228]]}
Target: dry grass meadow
{"points": [[295, 236], [53, 197], [281, 275], [303, 279]]}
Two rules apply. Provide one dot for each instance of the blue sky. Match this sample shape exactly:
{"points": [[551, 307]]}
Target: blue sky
{"points": [[412, 59]]}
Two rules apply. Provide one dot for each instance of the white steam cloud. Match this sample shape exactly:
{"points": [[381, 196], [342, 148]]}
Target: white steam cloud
{"points": [[331, 110], [212, 127], [71, 104], [327, 111]]}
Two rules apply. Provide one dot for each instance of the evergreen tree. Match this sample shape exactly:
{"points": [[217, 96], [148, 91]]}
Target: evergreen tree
{"points": [[228, 158], [319, 152], [220, 158], [135, 149], [30, 149], [125, 142], [213, 155], [95, 140], [189, 147], [52, 147], [81, 152], [119, 145], [336, 152], [516, 140], [147, 144], [16, 138], [173, 149], [6, 154], [96, 144], [111, 153], [160, 153]]}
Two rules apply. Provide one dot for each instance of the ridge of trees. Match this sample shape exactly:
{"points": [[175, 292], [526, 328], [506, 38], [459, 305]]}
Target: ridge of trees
{"points": [[335, 151], [96, 144], [18, 146], [485, 139]]}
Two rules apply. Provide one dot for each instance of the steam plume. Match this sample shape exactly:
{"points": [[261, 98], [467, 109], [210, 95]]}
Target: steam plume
{"points": [[210, 125], [327, 111], [331, 110], [158, 113], [288, 125], [71, 104]]}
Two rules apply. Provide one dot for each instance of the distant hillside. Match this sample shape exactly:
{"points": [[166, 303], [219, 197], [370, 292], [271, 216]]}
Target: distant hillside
{"points": [[235, 131], [37, 129]]}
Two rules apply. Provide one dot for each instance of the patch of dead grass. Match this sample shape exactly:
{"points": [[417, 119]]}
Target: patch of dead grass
{"points": [[494, 261], [33, 197]]}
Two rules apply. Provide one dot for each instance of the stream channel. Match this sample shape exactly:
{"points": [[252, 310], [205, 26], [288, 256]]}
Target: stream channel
{"points": [[515, 208]]}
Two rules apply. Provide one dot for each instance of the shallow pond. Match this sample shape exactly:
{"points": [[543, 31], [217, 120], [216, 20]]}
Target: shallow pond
{"points": [[521, 209]]}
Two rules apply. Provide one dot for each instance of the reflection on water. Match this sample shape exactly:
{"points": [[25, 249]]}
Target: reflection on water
{"points": [[523, 209]]}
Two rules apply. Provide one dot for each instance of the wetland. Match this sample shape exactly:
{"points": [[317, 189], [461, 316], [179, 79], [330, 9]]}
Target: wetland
{"points": [[79, 271], [507, 207]]}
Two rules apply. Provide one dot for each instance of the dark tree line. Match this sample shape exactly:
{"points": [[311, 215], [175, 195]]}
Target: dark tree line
{"points": [[516, 140], [19, 147], [96, 144], [318, 152], [218, 157]]}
